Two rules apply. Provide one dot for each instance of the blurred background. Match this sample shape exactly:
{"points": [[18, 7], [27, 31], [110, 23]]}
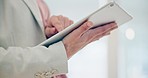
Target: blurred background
{"points": [[123, 54]]}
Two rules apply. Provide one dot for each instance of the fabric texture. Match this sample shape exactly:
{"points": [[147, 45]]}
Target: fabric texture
{"points": [[45, 17], [21, 29]]}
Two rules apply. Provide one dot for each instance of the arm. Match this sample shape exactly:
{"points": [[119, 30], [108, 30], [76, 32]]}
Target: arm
{"points": [[31, 61], [18, 62]]}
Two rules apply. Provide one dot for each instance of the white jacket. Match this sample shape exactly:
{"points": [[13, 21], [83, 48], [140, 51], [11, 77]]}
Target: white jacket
{"points": [[21, 29]]}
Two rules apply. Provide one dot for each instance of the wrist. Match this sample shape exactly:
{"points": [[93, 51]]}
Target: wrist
{"points": [[69, 50]]}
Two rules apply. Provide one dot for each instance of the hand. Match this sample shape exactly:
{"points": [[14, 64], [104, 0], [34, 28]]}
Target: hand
{"points": [[57, 24], [83, 35]]}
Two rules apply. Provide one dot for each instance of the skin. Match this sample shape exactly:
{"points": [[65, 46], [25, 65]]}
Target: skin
{"points": [[57, 24], [81, 36]]}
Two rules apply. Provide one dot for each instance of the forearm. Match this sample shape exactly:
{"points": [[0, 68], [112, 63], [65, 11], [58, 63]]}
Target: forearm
{"points": [[19, 61]]}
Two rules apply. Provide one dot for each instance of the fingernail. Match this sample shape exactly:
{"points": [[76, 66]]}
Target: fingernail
{"points": [[89, 23]]}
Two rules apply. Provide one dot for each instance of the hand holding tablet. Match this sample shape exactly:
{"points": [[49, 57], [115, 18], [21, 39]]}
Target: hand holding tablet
{"points": [[83, 35], [108, 13]]}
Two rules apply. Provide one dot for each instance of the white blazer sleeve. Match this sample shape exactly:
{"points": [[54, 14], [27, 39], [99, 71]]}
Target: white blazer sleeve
{"points": [[33, 62]]}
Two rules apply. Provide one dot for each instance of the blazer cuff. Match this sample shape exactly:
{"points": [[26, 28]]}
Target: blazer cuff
{"points": [[61, 63]]}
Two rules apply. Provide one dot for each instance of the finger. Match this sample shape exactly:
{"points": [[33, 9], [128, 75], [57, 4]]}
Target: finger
{"points": [[103, 29], [107, 34], [108, 26], [71, 22], [49, 23], [50, 31], [97, 37], [114, 28], [66, 22], [83, 28], [99, 32], [56, 23], [61, 19]]}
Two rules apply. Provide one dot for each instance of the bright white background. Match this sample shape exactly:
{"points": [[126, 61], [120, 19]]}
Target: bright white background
{"points": [[133, 39], [129, 43]]}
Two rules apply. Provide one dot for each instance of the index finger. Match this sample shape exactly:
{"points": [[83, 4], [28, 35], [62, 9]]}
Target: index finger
{"points": [[83, 28], [56, 23]]}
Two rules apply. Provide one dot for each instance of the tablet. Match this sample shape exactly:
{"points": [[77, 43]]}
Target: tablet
{"points": [[108, 13]]}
